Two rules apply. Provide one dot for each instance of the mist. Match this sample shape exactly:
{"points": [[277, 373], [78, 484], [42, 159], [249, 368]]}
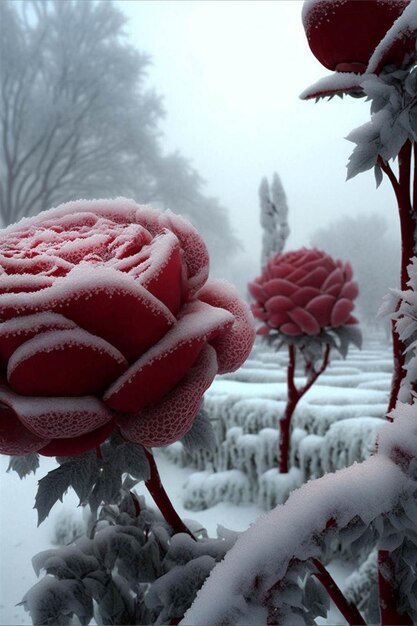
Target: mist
{"points": [[230, 74]]}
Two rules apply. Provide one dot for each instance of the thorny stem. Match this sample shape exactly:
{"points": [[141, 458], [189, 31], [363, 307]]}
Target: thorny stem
{"points": [[294, 395], [164, 504], [349, 611]]}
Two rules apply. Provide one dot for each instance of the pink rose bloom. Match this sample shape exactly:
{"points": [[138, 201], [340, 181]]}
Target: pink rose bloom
{"points": [[303, 293], [107, 322]]}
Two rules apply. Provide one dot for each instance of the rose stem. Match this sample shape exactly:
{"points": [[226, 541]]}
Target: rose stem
{"points": [[349, 611], [388, 593], [164, 504], [293, 397]]}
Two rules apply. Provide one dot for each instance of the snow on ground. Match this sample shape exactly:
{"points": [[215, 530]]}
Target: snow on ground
{"points": [[365, 378]]}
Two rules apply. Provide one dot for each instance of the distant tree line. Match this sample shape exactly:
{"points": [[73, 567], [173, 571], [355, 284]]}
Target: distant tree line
{"points": [[77, 121], [373, 250]]}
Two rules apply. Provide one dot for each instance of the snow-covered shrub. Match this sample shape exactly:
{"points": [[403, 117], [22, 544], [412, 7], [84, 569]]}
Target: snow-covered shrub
{"points": [[130, 569]]}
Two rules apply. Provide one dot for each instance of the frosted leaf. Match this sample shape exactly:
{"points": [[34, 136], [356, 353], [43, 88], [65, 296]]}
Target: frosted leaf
{"points": [[24, 464], [79, 472], [201, 435]]}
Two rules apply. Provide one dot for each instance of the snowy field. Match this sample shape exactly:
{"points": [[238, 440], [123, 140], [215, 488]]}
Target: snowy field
{"points": [[352, 393]]}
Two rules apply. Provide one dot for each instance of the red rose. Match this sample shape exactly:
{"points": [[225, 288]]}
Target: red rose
{"points": [[107, 323], [343, 34], [304, 292]]}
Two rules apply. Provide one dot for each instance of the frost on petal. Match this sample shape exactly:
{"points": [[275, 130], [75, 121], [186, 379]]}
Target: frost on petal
{"points": [[167, 421], [305, 321], [50, 418], [341, 312], [195, 251], [104, 302], [16, 283], [233, 346], [15, 439], [166, 363], [163, 276], [78, 445], [64, 363], [16, 331]]}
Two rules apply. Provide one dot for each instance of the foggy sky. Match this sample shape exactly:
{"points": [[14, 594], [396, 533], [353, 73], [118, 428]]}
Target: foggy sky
{"points": [[231, 73]]}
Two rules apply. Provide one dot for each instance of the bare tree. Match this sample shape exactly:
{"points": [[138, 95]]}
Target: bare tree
{"points": [[74, 116]]}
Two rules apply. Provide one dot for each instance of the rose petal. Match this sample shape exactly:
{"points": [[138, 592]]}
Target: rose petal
{"points": [[259, 312], [305, 321], [15, 439], [350, 290], [257, 291], [304, 295], [163, 277], [164, 365], [167, 421], [279, 287], [194, 249], [56, 418], [78, 445], [233, 346], [278, 319], [341, 312], [16, 331], [105, 302], [297, 275], [335, 278], [314, 278], [278, 304], [321, 308], [291, 329], [64, 363]]}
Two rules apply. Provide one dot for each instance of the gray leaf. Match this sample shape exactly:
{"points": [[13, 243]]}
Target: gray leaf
{"points": [[378, 175], [24, 464], [201, 435], [51, 488]]}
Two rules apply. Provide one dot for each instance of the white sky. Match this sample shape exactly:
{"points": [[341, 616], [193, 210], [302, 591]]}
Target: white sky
{"points": [[231, 73]]}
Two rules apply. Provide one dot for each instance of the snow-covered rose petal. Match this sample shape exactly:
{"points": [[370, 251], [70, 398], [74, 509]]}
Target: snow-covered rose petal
{"points": [[233, 346], [164, 365], [164, 422], [314, 292], [103, 299], [64, 363]]}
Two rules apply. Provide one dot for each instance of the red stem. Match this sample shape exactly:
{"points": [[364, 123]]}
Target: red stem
{"points": [[349, 611], [388, 588], [293, 398], [388, 594], [164, 504]]}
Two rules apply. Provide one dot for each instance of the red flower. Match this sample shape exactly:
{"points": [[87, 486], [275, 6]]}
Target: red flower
{"points": [[106, 322], [343, 36], [303, 293]]}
